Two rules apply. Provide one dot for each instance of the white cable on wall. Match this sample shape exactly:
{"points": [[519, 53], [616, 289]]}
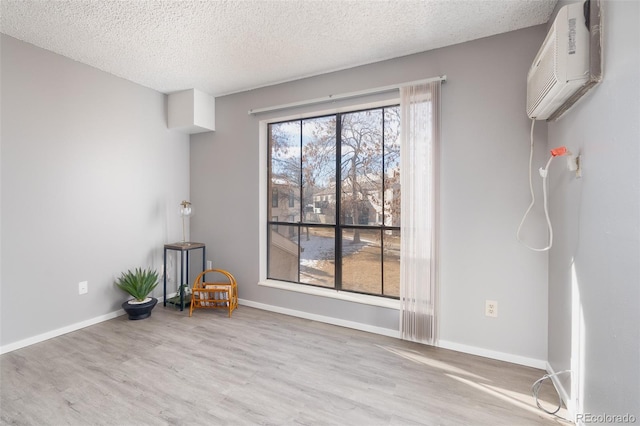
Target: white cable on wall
{"points": [[543, 173]]}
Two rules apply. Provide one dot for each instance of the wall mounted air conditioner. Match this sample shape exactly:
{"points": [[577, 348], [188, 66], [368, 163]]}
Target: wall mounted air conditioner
{"points": [[561, 66]]}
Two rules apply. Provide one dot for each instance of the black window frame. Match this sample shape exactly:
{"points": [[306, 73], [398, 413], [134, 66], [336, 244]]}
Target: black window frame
{"points": [[339, 226]]}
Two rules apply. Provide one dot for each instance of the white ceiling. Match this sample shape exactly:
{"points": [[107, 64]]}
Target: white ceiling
{"points": [[228, 46]]}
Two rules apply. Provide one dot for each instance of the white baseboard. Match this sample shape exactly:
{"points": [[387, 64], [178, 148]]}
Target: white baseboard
{"points": [[501, 356], [64, 330], [487, 353], [58, 332], [321, 318]]}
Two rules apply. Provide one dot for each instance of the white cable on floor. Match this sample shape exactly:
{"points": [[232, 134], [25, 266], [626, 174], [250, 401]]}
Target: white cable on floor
{"points": [[543, 173], [536, 388]]}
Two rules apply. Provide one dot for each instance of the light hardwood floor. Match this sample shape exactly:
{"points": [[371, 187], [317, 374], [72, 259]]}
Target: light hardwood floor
{"points": [[257, 367]]}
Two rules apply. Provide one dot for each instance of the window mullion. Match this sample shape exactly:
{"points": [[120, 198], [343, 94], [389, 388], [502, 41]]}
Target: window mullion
{"points": [[301, 210], [338, 215], [384, 216]]}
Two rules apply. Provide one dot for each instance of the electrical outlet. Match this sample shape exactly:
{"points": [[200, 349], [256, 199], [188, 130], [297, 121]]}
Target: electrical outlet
{"points": [[83, 287], [491, 308], [209, 264]]}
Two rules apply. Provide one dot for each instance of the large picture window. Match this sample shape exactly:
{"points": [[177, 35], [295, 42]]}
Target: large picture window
{"points": [[340, 224]]}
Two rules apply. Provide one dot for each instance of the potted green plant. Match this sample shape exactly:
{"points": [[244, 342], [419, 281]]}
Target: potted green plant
{"points": [[139, 283]]}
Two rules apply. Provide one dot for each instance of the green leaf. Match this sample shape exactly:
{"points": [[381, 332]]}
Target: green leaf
{"points": [[138, 283]]}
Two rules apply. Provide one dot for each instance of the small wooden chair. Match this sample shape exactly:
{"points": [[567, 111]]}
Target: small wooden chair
{"points": [[214, 295]]}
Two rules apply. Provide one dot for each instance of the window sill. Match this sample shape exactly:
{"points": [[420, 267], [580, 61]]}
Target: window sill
{"points": [[365, 299]]}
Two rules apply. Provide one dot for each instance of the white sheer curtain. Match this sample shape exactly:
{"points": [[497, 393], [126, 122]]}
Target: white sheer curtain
{"points": [[420, 128]]}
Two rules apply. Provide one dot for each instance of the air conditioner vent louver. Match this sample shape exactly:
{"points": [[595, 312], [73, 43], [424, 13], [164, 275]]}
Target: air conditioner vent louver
{"points": [[545, 78]]}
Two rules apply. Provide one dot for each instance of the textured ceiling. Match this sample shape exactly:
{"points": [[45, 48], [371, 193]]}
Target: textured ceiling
{"points": [[222, 47]]}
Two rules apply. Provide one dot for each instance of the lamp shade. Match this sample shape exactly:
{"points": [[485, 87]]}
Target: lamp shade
{"points": [[185, 208], [185, 211]]}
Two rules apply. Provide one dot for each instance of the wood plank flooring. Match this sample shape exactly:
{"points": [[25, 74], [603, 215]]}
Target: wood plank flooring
{"points": [[256, 368]]}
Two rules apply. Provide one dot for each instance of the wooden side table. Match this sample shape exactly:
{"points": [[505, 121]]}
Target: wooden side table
{"points": [[184, 249]]}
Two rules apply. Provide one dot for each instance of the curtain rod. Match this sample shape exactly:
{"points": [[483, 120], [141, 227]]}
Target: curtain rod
{"points": [[331, 98]]}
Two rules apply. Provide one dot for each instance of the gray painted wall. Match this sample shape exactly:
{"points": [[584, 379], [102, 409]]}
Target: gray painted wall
{"points": [[597, 222], [91, 181], [484, 156]]}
